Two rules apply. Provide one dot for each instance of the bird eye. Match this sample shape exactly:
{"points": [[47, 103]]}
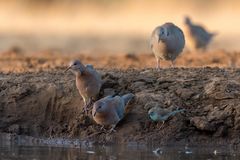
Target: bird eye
{"points": [[99, 107]]}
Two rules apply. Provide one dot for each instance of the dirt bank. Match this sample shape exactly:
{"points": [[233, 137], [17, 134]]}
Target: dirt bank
{"points": [[17, 61], [46, 103]]}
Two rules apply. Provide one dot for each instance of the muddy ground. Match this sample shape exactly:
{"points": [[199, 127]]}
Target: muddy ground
{"points": [[15, 60], [39, 99]]}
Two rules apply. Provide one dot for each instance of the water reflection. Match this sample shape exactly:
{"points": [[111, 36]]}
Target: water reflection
{"points": [[16, 149]]}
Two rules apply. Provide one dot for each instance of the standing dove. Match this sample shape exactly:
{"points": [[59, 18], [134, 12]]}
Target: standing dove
{"points": [[88, 82], [167, 42], [198, 35], [161, 114], [109, 110]]}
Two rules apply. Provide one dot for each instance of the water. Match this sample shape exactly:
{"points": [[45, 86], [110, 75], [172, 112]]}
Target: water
{"points": [[22, 148]]}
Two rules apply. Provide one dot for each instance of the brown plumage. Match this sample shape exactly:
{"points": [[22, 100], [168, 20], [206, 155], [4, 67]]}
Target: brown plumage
{"points": [[167, 42], [88, 82]]}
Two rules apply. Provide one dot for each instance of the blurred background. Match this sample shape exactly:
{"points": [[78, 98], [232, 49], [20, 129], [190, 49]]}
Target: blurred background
{"points": [[109, 26]]}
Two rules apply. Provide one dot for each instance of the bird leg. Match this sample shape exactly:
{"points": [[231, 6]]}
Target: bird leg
{"points": [[158, 63], [173, 64], [50, 131], [102, 128], [163, 122], [112, 129], [86, 105]]}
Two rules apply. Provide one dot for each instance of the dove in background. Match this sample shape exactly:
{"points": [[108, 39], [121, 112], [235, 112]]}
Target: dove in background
{"points": [[199, 36], [167, 42]]}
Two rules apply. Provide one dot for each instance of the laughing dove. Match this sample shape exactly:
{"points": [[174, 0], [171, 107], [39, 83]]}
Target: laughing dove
{"points": [[109, 110], [199, 36], [167, 42], [162, 114], [88, 82]]}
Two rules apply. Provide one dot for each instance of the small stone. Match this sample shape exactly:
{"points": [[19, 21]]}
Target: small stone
{"points": [[185, 93], [138, 84], [221, 131], [15, 128], [202, 123], [108, 91]]}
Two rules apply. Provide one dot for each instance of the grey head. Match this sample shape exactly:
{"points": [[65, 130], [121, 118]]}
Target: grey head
{"points": [[76, 67], [187, 20], [101, 106], [161, 33], [153, 114]]}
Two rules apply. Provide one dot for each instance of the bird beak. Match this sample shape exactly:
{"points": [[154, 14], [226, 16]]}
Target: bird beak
{"points": [[149, 116], [94, 114], [68, 68]]}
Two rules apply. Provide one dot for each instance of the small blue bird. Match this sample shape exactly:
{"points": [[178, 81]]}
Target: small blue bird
{"points": [[159, 114]]}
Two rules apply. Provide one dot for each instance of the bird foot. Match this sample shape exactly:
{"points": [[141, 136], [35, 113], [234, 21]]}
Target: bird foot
{"points": [[102, 129], [112, 130], [85, 110], [86, 107], [161, 126], [173, 64], [158, 68]]}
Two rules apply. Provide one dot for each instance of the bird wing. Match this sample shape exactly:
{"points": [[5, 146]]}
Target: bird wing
{"points": [[118, 105], [90, 69], [107, 99], [172, 113], [152, 40], [127, 98], [201, 32], [89, 66], [175, 41], [163, 112]]}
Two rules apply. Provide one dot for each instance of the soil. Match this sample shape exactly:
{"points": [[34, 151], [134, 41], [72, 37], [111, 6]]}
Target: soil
{"points": [[37, 98]]}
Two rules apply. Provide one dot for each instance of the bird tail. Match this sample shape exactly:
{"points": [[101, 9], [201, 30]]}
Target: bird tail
{"points": [[214, 34], [127, 98], [89, 66], [176, 111]]}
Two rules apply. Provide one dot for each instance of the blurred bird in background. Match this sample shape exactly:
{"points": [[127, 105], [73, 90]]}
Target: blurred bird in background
{"points": [[199, 37]]}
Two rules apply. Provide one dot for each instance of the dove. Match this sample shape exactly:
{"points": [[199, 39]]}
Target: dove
{"points": [[198, 35], [167, 42], [109, 110], [161, 114], [88, 82]]}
